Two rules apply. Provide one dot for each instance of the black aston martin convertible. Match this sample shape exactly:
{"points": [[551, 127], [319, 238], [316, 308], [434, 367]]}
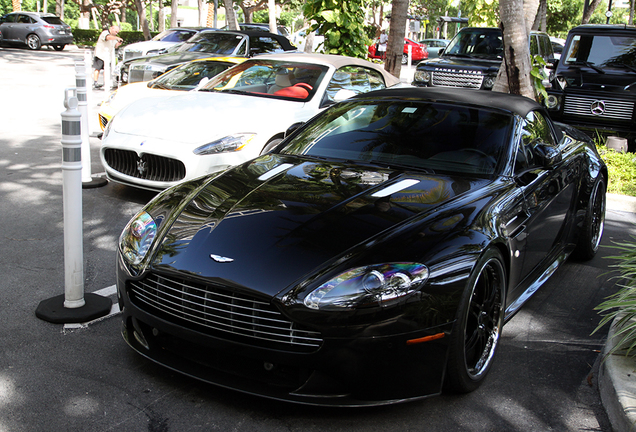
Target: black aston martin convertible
{"points": [[372, 257]]}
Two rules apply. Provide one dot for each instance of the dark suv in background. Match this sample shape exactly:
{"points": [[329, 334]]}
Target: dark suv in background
{"points": [[595, 81], [473, 57]]}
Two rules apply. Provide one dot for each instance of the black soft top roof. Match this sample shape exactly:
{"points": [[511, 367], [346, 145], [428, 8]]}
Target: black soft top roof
{"points": [[513, 104]]}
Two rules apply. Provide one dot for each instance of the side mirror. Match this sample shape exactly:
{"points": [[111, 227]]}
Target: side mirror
{"points": [[290, 130], [546, 155], [441, 51]]}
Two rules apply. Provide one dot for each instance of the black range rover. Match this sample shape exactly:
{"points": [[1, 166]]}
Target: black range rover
{"points": [[473, 57], [595, 81]]}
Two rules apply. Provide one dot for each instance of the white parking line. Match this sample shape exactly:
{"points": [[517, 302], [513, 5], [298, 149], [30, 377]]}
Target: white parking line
{"points": [[114, 310]]}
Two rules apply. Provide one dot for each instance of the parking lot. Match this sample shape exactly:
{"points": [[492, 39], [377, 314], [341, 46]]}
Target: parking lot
{"points": [[85, 378]]}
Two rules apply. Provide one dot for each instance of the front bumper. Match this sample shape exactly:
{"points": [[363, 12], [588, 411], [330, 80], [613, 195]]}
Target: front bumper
{"points": [[343, 371]]}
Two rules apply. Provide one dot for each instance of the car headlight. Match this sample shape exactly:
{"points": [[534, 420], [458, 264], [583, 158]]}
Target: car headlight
{"points": [[108, 128], [552, 102], [226, 144], [489, 81], [136, 239], [375, 285], [421, 75]]}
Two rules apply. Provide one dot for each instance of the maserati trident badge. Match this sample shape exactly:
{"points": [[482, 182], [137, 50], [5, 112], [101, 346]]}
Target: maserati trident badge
{"points": [[221, 259]]}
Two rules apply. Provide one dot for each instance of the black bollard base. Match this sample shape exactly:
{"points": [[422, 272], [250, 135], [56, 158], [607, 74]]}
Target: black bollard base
{"points": [[94, 183], [53, 310]]}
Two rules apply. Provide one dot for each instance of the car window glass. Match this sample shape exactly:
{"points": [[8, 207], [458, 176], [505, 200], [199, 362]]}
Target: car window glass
{"points": [[242, 49], [270, 78], [212, 42], [189, 75], [534, 45], [265, 44], [53, 20], [409, 133], [535, 129], [546, 47], [24, 19], [486, 43], [602, 50], [8, 18], [356, 79]]}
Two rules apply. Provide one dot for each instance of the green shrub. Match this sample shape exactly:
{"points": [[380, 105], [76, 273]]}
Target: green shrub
{"points": [[622, 305], [89, 37], [621, 168]]}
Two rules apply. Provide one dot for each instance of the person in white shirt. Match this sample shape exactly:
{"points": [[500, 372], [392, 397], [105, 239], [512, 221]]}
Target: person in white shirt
{"points": [[382, 44], [107, 42]]}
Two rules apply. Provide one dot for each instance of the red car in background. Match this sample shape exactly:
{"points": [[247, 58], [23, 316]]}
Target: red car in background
{"points": [[418, 51]]}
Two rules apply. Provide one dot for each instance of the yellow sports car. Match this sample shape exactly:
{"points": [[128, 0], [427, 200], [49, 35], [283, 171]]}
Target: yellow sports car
{"points": [[186, 77]]}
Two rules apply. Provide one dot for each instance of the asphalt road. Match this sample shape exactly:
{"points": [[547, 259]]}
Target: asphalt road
{"points": [[64, 378]]}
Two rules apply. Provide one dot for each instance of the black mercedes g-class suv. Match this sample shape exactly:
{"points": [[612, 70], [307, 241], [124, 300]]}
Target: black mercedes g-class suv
{"points": [[473, 57], [595, 81]]}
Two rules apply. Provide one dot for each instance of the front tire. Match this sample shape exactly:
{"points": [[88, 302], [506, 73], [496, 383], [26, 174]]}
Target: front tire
{"points": [[33, 42], [58, 47], [590, 239], [477, 329]]}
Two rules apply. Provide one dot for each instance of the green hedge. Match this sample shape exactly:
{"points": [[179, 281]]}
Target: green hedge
{"points": [[89, 37]]}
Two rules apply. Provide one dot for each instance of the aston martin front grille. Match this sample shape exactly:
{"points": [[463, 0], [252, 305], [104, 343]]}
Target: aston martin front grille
{"points": [[222, 312], [601, 108], [147, 167], [457, 78]]}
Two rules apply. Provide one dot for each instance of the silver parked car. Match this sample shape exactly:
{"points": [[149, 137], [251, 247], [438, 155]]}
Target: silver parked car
{"points": [[35, 29]]}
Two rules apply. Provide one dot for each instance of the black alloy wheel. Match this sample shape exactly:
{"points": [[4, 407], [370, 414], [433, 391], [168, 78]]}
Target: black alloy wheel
{"points": [[478, 327], [590, 238]]}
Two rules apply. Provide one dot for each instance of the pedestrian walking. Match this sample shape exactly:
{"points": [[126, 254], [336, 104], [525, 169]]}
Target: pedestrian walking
{"points": [[382, 44], [107, 42]]}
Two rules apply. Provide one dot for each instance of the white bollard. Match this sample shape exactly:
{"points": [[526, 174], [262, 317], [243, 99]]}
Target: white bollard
{"points": [[72, 198], [73, 306], [82, 101]]}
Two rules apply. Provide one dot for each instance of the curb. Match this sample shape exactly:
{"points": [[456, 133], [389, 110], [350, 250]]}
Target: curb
{"points": [[617, 386], [621, 202]]}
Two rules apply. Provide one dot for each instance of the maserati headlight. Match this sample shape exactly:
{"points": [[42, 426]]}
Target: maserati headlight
{"points": [[226, 144], [375, 285], [137, 237], [107, 129]]}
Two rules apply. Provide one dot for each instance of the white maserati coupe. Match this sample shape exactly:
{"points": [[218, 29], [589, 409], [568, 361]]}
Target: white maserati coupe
{"points": [[155, 143]]}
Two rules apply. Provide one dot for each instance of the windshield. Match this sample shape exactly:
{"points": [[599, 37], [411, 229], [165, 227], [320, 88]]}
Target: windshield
{"points": [[276, 78], [479, 42], [215, 43], [618, 51], [409, 134], [190, 75], [173, 36]]}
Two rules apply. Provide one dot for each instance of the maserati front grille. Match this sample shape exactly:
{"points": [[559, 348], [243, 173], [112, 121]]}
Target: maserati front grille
{"points": [[146, 167]]}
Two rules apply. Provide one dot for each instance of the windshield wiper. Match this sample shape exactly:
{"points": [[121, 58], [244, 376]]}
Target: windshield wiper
{"points": [[631, 68], [588, 64], [457, 55], [400, 166]]}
